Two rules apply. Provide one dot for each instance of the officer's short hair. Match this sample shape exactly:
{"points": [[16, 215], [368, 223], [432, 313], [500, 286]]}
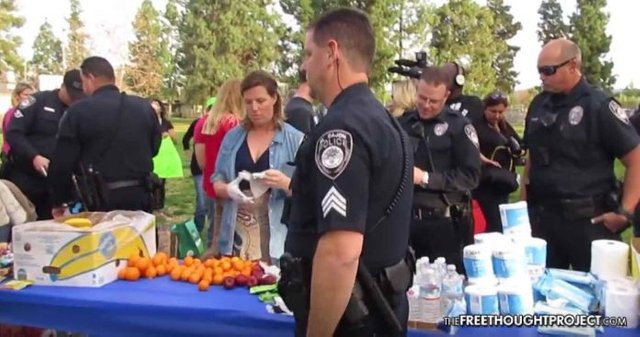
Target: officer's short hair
{"points": [[435, 75], [98, 67], [352, 30], [262, 78]]}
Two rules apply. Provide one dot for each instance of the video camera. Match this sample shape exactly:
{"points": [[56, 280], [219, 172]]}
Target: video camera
{"points": [[408, 68]]}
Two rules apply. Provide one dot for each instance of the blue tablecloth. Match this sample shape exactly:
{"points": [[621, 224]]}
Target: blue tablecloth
{"points": [[164, 308]]}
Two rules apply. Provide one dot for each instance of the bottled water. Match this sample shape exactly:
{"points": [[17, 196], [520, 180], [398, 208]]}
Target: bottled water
{"points": [[430, 296], [451, 289]]}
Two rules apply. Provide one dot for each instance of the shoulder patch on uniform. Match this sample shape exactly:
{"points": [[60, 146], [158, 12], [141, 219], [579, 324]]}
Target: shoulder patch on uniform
{"points": [[575, 115], [18, 114], [333, 152], [27, 102], [455, 106], [617, 111], [471, 133], [334, 200]]}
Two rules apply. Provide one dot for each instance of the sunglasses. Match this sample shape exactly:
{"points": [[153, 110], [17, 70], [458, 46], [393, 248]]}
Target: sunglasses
{"points": [[550, 70], [497, 95]]}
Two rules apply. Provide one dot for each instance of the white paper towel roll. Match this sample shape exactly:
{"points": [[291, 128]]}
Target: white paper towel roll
{"points": [[515, 297], [477, 262], [621, 301], [489, 238], [609, 259], [515, 219], [509, 260]]}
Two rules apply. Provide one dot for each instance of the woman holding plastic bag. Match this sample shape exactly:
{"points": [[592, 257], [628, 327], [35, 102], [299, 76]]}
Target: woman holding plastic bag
{"points": [[167, 163]]}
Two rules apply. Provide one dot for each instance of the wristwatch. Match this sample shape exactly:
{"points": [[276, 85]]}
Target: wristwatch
{"points": [[425, 179], [626, 213]]}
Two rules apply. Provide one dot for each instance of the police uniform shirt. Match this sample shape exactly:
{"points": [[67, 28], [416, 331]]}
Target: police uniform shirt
{"points": [[446, 147], [85, 132], [348, 170], [468, 106], [33, 128], [572, 141]]}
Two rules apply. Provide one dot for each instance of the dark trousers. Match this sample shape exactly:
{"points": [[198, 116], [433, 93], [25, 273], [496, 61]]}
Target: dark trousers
{"points": [[34, 187], [568, 239], [373, 325], [489, 202], [135, 198], [437, 237]]}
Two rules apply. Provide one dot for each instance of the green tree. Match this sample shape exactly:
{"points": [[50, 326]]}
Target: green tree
{"points": [[9, 43], [221, 40], [144, 75], [76, 50], [400, 28], [589, 23], [551, 25], [47, 51], [504, 29], [171, 38], [463, 30]]}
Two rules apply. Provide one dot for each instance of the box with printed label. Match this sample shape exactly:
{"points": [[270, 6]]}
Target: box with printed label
{"points": [[84, 250]]}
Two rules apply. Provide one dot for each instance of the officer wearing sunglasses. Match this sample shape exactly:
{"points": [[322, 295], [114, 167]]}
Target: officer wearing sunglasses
{"points": [[574, 132]]}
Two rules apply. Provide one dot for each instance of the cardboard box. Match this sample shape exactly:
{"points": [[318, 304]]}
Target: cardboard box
{"points": [[54, 253]]}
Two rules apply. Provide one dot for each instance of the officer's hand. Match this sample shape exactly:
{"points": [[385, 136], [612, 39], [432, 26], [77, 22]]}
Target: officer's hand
{"points": [[41, 164], [58, 212], [417, 176], [276, 179], [165, 134], [495, 163], [233, 189], [613, 221]]}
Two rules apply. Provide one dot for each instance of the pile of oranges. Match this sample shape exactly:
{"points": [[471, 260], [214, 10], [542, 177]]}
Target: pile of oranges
{"points": [[226, 271]]}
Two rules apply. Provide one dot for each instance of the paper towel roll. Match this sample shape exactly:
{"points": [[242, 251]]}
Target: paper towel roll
{"points": [[508, 261], [515, 297], [621, 301], [609, 259], [515, 218], [477, 262], [489, 238], [481, 300]]}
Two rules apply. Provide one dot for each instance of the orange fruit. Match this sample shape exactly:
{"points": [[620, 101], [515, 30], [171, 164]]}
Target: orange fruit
{"points": [[186, 273], [133, 259], [207, 278], [215, 263], [173, 261], [238, 265], [122, 274], [132, 274], [208, 272], [143, 263], [208, 263], [175, 274], [218, 271], [169, 267], [226, 265], [157, 260], [195, 278], [151, 272], [197, 262], [162, 270], [234, 259], [217, 279], [246, 271], [188, 261], [203, 285]]}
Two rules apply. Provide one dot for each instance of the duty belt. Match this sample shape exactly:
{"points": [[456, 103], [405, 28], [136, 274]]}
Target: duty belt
{"points": [[421, 213], [123, 184]]}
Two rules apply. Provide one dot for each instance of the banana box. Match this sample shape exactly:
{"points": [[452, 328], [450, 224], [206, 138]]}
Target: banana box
{"points": [[83, 250]]}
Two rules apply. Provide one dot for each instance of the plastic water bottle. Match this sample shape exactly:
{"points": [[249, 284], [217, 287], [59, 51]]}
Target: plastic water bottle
{"points": [[441, 265], [430, 296], [451, 288]]}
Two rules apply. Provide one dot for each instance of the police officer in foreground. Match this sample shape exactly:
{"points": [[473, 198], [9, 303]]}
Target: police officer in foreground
{"points": [[447, 160], [467, 105], [574, 132], [108, 140], [32, 135], [351, 196]]}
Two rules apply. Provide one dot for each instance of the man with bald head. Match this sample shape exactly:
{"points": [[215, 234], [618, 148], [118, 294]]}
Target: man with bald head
{"points": [[574, 132], [467, 105]]}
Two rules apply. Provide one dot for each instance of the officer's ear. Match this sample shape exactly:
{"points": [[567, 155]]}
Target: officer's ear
{"points": [[332, 50]]}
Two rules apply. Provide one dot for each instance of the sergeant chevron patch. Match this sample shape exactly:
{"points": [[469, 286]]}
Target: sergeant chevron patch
{"points": [[333, 200]]}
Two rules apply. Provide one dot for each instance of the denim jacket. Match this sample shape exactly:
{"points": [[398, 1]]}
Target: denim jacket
{"points": [[281, 152]]}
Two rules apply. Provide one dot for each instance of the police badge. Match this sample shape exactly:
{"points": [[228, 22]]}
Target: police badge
{"points": [[440, 128], [575, 115], [617, 111], [27, 102], [333, 152]]}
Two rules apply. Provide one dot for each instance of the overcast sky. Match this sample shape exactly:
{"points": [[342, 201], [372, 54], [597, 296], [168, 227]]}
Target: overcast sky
{"points": [[109, 25]]}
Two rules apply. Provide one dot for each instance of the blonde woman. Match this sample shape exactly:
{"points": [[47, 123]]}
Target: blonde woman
{"points": [[261, 149], [403, 97], [20, 92], [223, 116]]}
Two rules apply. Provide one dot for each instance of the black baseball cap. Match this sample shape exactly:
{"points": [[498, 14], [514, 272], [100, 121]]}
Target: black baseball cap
{"points": [[73, 82]]}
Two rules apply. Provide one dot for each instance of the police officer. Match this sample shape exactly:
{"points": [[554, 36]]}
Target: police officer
{"points": [[350, 212], [115, 134], [447, 160], [468, 106], [574, 132], [32, 135]]}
